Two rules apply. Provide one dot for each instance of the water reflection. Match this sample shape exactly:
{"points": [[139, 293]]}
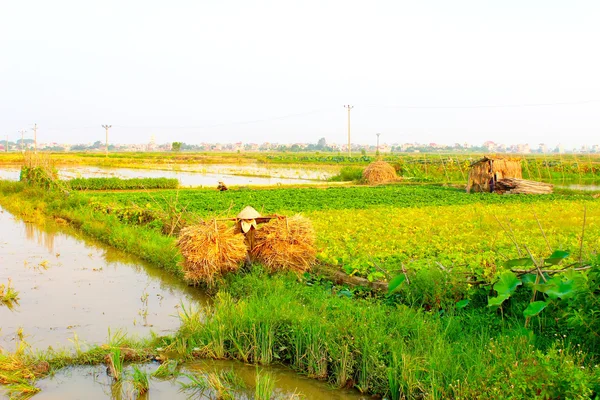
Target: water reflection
{"points": [[43, 238], [72, 286]]}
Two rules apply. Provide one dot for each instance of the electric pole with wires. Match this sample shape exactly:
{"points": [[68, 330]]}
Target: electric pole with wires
{"points": [[349, 107], [106, 127], [35, 138], [22, 132]]}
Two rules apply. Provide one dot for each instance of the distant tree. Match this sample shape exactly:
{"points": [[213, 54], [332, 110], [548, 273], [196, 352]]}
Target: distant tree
{"points": [[295, 147], [176, 146], [321, 144], [363, 152]]}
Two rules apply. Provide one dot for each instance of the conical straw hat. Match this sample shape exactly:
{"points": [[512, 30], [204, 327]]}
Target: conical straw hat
{"points": [[248, 213]]}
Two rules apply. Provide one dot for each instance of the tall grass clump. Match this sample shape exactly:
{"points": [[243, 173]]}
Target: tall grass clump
{"points": [[348, 174], [139, 382], [265, 385]]}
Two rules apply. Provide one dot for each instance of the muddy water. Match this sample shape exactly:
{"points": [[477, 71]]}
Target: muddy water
{"points": [[70, 286], [92, 383], [202, 175]]}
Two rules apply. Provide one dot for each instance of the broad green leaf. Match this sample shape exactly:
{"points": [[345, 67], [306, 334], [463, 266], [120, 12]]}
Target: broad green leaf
{"points": [[395, 283], [507, 283], [462, 304], [497, 301], [556, 257], [519, 262], [534, 308], [528, 279], [558, 287]]}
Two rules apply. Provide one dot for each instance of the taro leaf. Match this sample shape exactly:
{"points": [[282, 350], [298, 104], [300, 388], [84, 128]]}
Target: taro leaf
{"points": [[395, 283], [558, 288], [519, 262], [507, 283], [462, 304], [497, 301], [556, 257], [529, 279], [534, 308]]}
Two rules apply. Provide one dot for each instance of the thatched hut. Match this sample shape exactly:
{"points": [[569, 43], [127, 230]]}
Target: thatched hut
{"points": [[486, 172]]}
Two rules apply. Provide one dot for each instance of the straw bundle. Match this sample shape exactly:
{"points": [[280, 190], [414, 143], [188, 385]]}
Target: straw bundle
{"points": [[522, 186], [379, 172], [210, 250], [286, 244]]}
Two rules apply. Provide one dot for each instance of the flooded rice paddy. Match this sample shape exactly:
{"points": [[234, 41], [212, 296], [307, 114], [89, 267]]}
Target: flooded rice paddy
{"points": [[72, 290], [200, 175], [70, 286]]}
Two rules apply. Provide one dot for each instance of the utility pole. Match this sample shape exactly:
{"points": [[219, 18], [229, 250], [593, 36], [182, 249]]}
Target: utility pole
{"points": [[378, 142], [22, 132], [35, 138], [106, 127], [349, 107]]}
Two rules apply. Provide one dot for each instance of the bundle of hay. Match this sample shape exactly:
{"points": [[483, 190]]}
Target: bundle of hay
{"points": [[210, 250], [522, 186], [379, 172], [285, 244]]}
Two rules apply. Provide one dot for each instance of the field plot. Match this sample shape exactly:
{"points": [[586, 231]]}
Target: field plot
{"points": [[362, 228]]}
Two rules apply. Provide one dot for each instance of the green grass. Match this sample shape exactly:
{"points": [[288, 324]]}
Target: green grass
{"points": [[122, 184], [386, 347], [139, 382], [265, 385]]}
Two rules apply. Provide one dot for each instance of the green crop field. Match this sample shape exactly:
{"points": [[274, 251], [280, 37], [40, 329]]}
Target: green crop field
{"points": [[489, 296]]}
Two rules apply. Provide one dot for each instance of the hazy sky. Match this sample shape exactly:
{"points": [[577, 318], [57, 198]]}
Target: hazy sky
{"points": [[280, 71]]}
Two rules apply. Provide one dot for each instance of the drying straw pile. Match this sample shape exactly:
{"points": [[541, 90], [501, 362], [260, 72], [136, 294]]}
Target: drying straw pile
{"points": [[379, 172], [522, 186], [210, 250], [285, 244]]}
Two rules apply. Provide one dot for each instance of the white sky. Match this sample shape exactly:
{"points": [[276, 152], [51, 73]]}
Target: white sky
{"points": [[223, 71]]}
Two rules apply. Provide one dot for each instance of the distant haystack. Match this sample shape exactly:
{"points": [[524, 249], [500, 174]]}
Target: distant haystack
{"points": [[379, 172], [490, 170]]}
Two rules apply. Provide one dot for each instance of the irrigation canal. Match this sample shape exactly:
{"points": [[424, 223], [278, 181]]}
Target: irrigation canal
{"points": [[72, 290]]}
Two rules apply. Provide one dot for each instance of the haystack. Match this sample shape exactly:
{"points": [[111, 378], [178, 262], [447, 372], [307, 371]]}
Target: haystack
{"points": [[379, 172], [491, 168], [285, 244], [210, 250]]}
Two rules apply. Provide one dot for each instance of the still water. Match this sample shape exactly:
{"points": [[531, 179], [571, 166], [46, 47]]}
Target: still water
{"points": [[202, 175]]}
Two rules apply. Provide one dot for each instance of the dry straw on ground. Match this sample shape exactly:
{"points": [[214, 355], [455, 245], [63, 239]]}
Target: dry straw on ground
{"points": [[379, 172], [210, 250], [285, 244]]}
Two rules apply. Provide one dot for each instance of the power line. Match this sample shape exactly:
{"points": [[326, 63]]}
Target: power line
{"points": [[485, 105]]}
